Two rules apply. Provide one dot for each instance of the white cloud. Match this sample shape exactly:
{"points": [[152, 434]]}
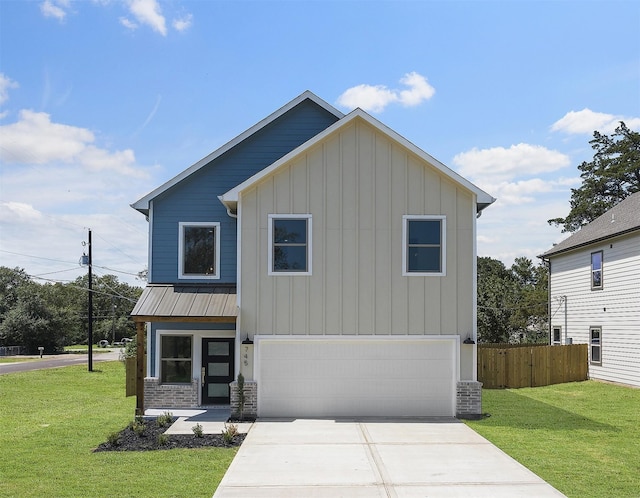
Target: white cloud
{"points": [[127, 23], [54, 8], [34, 139], [377, 98], [528, 191], [183, 23], [587, 121], [498, 164], [18, 211], [148, 12], [5, 85]]}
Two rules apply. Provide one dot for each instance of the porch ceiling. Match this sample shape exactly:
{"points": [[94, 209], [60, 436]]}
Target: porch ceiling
{"points": [[186, 303]]}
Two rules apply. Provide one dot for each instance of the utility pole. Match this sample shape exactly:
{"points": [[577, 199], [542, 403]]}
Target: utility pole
{"points": [[90, 309]]}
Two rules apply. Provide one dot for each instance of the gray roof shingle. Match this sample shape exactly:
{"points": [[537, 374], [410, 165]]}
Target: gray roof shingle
{"points": [[622, 218]]}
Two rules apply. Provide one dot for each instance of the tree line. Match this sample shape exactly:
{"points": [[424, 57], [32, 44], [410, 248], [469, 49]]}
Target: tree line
{"points": [[54, 315]]}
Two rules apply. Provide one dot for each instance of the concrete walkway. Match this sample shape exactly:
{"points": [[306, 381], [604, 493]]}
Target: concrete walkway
{"points": [[374, 458], [212, 420]]}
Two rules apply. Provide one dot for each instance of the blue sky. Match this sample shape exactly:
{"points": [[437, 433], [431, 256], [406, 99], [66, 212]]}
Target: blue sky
{"points": [[103, 101]]}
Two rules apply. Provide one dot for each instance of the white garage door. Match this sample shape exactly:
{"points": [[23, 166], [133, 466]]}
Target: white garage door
{"points": [[309, 377]]}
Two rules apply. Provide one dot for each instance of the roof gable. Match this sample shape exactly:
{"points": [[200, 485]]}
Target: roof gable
{"points": [[142, 204], [230, 198], [622, 218]]}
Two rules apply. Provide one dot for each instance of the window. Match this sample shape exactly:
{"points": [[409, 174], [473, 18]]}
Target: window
{"points": [[595, 342], [423, 245], [596, 270], [175, 359], [290, 244], [199, 250], [557, 335]]}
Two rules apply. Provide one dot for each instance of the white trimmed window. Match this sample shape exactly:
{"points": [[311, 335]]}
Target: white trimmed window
{"points": [[557, 335], [199, 250], [596, 270], [175, 359], [595, 345], [289, 244], [424, 245]]}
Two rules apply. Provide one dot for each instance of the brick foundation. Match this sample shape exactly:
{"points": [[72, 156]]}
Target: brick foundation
{"points": [[250, 399], [469, 400], [158, 395]]}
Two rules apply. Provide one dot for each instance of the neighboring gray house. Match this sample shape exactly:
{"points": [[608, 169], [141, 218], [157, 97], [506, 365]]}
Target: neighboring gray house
{"points": [[594, 292], [325, 257]]}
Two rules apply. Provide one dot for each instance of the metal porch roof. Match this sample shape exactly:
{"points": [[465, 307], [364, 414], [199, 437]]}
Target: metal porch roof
{"points": [[186, 303]]}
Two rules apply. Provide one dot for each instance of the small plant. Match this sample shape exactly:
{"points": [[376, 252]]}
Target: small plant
{"points": [[197, 430], [114, 438], [163, 439], [229, 432], [137, 426], [165, 419]]}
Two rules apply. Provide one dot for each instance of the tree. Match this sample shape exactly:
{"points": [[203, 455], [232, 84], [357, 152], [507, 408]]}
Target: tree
{"points": [[512, 302], [31, 323], [55, 315], [612, 175], [496, 290]]}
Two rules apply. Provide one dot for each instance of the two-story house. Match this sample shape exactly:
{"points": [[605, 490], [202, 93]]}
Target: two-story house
{"points": [[594, 292], [324, 257]]}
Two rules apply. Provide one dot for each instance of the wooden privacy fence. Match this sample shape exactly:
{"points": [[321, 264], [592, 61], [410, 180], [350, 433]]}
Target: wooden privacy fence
{"points": [[526, 365]]}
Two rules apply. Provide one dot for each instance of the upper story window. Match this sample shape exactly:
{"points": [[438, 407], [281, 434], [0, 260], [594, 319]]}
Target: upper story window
{"points": [[596, 270], [199, 250], [289, 244], [424, 245]]}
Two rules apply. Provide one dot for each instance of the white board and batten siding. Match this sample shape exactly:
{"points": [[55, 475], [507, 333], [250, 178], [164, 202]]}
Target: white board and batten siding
{"points": [[615, 308], [357, 184]]}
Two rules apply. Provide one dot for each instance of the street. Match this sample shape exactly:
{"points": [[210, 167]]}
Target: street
{"points": [[56, 361]]}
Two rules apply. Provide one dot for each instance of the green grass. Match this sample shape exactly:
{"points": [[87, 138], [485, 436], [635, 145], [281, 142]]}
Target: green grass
{"points": [[51, 420], [583, 438]]}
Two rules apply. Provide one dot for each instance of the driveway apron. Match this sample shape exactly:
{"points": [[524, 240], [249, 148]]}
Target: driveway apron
{"points": [[374, 458]]}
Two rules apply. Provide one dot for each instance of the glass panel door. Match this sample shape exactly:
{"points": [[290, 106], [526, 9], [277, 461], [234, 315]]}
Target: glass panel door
{"points": [[217, 370]]}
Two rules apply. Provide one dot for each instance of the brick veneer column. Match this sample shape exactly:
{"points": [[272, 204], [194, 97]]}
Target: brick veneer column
{"points": [[250, 399], [469, 400]]}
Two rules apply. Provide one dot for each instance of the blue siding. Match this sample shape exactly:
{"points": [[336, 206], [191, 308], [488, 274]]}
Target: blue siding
{"points": [[196, 198]]}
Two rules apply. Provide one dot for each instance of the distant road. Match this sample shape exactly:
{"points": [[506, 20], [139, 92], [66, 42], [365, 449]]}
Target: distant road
{"points": [[57, 361]]}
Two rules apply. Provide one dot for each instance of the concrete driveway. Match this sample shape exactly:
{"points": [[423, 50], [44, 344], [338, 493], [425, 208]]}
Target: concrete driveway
{"points": [[374, 458]]}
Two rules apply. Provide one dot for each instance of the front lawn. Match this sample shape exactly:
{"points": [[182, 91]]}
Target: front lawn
{"points": [[50, 422], [583, 438]]}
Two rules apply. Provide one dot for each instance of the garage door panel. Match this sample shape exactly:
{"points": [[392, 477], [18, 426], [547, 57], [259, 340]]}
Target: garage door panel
{"points": [[356, 377]]}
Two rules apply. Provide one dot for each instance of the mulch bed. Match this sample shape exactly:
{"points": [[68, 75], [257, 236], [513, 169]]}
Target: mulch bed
{"points": [[148, 439]]}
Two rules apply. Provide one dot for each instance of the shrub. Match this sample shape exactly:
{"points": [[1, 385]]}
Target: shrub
{"points": [[137, 426], [163, 439], [114, 438], [197, 430], [229, 432], [165, 419]]}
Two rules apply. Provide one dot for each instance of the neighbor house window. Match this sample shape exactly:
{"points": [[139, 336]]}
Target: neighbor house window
{"points": [[557, 335], [199, 250], [596, 270], [595, 342], [423, 245], [290, 244], [175, 359]]}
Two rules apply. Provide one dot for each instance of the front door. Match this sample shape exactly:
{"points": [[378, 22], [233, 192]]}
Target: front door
{"points": [[217, 370]]}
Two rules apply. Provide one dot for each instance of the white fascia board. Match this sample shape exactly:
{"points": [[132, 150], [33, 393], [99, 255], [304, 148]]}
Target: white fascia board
{"points": [[142, 204], [230, 197]]}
